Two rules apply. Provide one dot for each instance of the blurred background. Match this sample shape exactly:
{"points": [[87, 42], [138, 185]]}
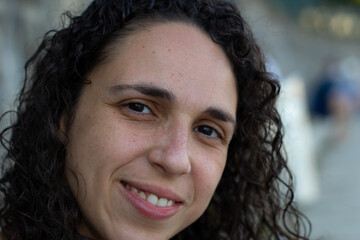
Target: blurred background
{"points": [[313, 46]]}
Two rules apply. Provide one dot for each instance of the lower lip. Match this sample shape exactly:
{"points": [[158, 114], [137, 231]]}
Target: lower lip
{"points": [[148, 209]]}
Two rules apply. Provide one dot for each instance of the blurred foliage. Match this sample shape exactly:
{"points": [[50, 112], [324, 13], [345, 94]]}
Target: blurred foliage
{"points": [[356, 2], [295, 6], [335, 18]]}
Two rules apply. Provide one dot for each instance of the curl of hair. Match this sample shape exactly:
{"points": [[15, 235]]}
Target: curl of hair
{"points": [[252, 200]]}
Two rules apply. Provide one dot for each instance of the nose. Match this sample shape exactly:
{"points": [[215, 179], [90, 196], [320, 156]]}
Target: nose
{"points": [[171, 153]]}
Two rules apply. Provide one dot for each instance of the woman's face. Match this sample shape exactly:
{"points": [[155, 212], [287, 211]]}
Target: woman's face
{"points": [[150, 135]]}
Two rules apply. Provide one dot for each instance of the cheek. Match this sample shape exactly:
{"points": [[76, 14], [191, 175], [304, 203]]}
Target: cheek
{"points": [[207, 177], [98, 140], [98, 148]]}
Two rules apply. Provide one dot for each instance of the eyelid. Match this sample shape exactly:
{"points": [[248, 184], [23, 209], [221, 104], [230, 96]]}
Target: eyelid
{"points": [[226, 130], [218, 135], [218, 129], [148, 104], [138, 112]]}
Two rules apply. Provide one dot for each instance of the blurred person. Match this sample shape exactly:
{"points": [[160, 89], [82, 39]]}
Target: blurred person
{"points": [[148, 119], [350, 68], [334, 97]]}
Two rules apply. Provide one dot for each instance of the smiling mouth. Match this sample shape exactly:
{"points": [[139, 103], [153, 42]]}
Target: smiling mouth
{"points": [[150, 197]]}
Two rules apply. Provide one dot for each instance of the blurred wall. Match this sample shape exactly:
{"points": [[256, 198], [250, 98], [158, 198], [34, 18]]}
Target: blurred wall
{"points": [[22, 25], [296, 49]]}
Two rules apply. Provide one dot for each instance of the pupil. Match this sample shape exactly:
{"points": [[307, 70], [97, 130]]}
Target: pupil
{"points": [[206, 130], [136, 107]]}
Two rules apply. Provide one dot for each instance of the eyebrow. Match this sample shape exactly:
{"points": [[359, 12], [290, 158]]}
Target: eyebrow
{"points": [[220, 115], [147, 90], [158, 92]]}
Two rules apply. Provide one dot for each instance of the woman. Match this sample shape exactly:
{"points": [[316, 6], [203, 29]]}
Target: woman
{"points": [[137, 115]]}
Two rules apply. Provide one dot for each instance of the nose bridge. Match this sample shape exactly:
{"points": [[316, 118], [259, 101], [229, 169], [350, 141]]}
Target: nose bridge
{"points": [[177, 139], [175, 155]]}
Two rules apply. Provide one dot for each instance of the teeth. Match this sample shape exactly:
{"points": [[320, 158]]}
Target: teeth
{"points": [[169, 203], [134, 190], [151, 198], [142, 195], [162, 202]]}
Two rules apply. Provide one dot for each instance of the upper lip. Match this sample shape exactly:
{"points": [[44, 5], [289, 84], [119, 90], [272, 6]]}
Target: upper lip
{"points": [[158, 191]]}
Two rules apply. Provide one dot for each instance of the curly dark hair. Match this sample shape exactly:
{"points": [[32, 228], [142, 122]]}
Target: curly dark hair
{"points": [[254, 199]]}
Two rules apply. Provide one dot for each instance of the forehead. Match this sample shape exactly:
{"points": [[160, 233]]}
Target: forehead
{"points": [[177, 56]]}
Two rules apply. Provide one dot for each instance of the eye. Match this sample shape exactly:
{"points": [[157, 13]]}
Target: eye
{"points": [[139, 108], [207, 131]]}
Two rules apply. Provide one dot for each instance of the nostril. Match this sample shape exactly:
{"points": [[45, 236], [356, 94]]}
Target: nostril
{"points": [[155, 155], [155, 158]]}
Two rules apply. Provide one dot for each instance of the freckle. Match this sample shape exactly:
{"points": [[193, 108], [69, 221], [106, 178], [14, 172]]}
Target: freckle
{"points": [[180, 74], [143, 46], [153, 52], [172, 74], [169, 49]]}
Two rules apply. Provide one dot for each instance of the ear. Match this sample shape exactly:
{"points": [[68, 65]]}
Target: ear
{"points": [[62, 129]]}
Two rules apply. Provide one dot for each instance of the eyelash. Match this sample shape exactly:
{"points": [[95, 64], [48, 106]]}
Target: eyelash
{"points": [[207, 128], [130, 106], [136, 104]]}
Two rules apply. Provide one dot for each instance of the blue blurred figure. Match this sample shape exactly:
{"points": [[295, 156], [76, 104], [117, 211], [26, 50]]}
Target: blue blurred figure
{"points": [[334, 97]]}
